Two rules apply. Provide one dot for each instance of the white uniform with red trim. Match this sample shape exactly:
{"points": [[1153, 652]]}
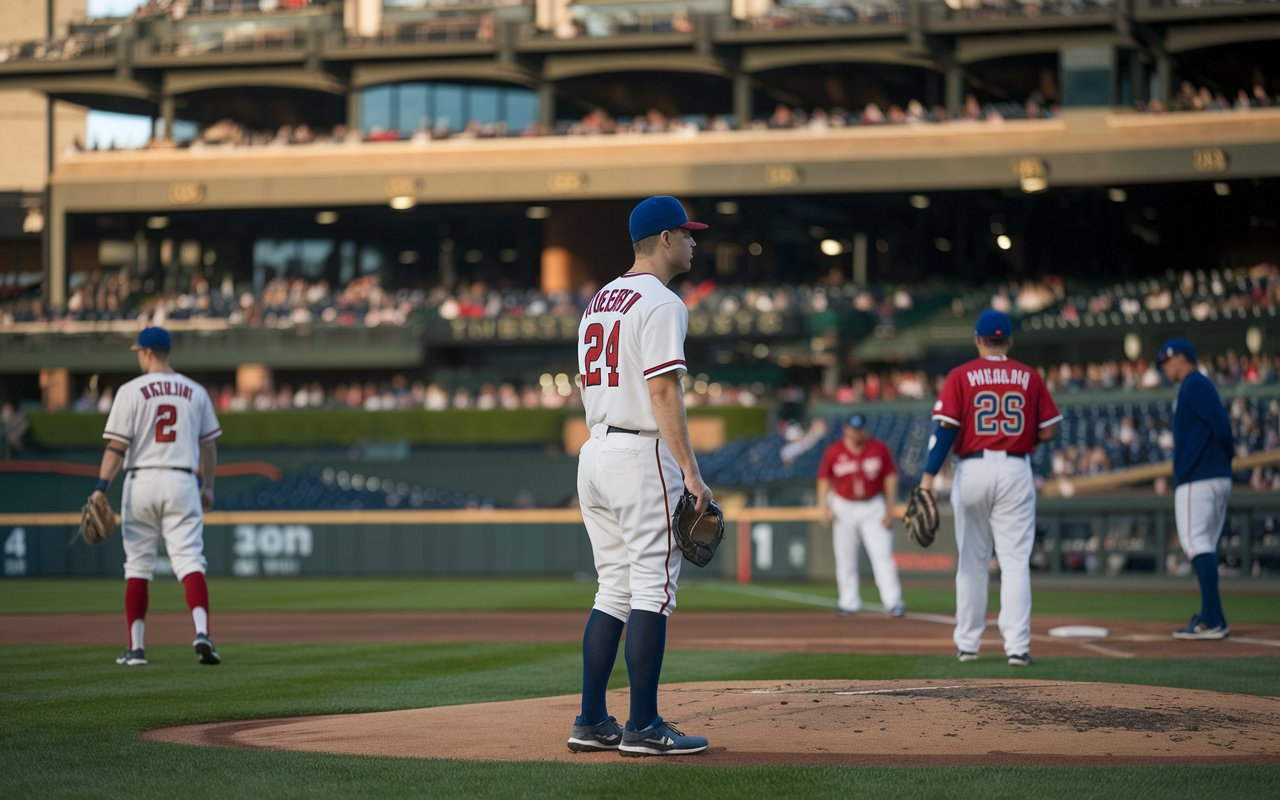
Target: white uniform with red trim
{"points": [[628, 481], [162, 418]]}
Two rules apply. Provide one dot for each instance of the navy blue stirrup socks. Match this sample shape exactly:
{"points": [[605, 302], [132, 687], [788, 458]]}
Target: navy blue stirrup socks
{"points": [[1206, 567], [599, 652], [646, 644]]}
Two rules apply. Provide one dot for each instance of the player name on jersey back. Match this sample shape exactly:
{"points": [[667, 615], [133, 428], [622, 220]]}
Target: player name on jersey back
{"points": [[998, 376], [609, 300], [632, 330], [162, 418], [165, 388]]}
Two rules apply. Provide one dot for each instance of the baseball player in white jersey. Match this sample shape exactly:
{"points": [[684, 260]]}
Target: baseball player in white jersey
{"points": [[631, 473], [996, 411], [161, 431]]}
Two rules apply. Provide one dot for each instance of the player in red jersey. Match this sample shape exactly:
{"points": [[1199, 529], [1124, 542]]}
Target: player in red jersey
{"points": [[995, 411], [857, 484]]}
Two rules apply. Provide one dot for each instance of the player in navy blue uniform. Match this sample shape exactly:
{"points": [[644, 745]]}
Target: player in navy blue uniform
{"points": [[1202, 449]]}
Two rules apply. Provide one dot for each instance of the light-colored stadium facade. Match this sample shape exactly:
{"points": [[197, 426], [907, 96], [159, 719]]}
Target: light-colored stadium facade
{"points": [[721, 60], [323, 65]]}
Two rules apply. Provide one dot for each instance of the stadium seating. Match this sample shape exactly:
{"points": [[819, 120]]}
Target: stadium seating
{"points": [[1092, 437], [324, 488]]}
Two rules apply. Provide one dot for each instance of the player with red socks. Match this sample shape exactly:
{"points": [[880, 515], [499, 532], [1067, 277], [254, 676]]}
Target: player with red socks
{"points": [[162, 431]]}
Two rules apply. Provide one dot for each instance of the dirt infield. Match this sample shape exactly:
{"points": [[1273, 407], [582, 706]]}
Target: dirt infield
{"points": [[916, 634], [1018, 721], [887, 723]]}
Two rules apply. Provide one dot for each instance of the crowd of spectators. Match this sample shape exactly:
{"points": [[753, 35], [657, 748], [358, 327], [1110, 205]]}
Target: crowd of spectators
{"points": [[1003, 9], [1200, 294], [115, 295], [401, 393], [1227, 370], [1202, 98], [227, 133], [181, 9], [283, 302]]}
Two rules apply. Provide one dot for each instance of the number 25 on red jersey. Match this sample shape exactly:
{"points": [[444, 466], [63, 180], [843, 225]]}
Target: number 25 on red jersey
{"points": [[999, 414]]}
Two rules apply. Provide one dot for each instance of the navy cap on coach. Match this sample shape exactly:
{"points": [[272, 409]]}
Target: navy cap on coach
{"points": [[993, 323], [1173, 347], [657, 214], [154, 338], [857, 421]]}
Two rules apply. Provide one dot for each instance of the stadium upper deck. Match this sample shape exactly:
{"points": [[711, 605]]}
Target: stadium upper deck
{"points": [[266, 63], [892, 202]]}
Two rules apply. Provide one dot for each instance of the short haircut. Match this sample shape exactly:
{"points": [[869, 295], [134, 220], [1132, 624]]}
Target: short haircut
{"points": [[995, 341], [647, 245]]}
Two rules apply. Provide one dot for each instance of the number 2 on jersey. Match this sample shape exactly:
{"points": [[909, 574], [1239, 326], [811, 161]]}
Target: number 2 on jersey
{"points": [[596, 343], [998, 414], [166, 419]]}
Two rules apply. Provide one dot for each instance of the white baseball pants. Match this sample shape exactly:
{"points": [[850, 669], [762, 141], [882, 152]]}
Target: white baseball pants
{"points": [[994, 498], [161, 503], [1200, 511], [628, 486], [862, 521]]}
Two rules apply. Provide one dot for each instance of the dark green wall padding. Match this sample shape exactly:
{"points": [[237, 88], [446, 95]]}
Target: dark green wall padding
{"points": [[452, 427]]}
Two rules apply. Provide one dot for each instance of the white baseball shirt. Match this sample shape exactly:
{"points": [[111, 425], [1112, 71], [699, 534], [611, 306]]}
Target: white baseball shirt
{"points": [[632, 330], [629, 483], [163, 418]]}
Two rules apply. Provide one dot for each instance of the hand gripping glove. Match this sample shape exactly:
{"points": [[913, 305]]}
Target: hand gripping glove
{"points": [[921, 519], [697, 535], [97, 519]]}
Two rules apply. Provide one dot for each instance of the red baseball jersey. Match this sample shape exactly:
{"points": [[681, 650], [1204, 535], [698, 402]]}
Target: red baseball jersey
{"points": [[997, 403], [857, 476]]}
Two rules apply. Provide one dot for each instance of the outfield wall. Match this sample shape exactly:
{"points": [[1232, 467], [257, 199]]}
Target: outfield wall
{"points": [[1108, 535]]}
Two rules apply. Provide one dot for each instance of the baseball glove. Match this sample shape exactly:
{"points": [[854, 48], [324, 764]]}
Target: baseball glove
{"points": [[921, 519], [97, 519], [697, 535]]}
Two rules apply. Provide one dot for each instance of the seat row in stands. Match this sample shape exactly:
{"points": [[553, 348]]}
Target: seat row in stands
{"points": [[324, 488]]}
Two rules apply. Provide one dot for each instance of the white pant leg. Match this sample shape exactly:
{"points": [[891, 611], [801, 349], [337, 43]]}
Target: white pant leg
{"points": [[183, 522], [613, 569], [1013, 523], [971, 501], [1200, 511], [634, 481], [140, 521], [879, 543], [844, 544]]}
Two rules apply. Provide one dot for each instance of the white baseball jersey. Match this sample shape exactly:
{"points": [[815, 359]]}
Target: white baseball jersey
{"points": [[163, 418], [628, 479], [631, 331]]}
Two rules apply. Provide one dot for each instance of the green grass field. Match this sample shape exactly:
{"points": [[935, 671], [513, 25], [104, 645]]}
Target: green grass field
{"points": [[70, 719]]}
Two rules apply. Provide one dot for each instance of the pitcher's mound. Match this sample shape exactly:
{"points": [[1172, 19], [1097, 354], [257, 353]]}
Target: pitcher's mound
{"points": [[893, 723]]}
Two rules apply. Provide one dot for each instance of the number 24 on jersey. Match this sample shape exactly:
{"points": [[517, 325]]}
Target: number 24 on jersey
{"points": [[598, 344]]}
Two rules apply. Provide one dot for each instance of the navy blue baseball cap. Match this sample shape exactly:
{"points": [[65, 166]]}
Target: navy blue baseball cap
{"points": [[654, 215], [857, 421], [1173, 347], [993, 323], [154, 338]]}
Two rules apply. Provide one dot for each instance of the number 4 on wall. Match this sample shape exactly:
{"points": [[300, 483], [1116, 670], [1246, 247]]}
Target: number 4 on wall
{"points": [[15, 546]]}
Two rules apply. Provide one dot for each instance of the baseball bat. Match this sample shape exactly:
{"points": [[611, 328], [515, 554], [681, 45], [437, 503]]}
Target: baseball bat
{"points": [[1068, 487]]}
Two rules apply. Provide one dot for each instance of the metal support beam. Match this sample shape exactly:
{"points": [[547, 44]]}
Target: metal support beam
{"points": [[353, 109], [742, 105], [955, 88], [547, 106]]}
